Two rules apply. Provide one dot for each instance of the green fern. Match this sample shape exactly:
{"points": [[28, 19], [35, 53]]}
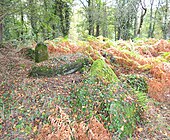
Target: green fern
{"points": [[142, 99]]}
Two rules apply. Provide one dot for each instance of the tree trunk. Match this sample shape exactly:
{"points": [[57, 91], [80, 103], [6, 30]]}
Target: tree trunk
{"points": [[67, 19], [165, 25], [119, 33], [98, 20], [141, 19], [126, 34], [150, 32], [1, 21], [63, 12], [104, 22], [90, 24], [97, 29], [22, 23], [33, 19], [90, 18], [60, 14], [1, 32], [115, 31], [56, 12], [135, 27]]}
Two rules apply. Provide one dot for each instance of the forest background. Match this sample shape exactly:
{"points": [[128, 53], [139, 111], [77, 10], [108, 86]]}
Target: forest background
{"points": [[101, 70], [39, 20]]}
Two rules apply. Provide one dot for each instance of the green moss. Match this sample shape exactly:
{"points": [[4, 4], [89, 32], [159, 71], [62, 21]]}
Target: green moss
{"points": [[124, 116], [41, 71], [137, 82], [31, 53], [101, 70], [41, 52], [68, 68], [78, 65]]}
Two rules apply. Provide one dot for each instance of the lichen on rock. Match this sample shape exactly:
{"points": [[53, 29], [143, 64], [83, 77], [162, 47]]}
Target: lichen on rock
{"points": [[101, 70], [52, 68], [41, 52]]}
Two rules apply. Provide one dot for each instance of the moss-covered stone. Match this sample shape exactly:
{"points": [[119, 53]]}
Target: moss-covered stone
{"points": [[41, 71], [68, 68], [101, 70], [73, 67], [41, 52]]}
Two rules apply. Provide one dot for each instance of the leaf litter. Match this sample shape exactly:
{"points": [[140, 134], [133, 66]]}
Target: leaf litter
{"points": [[29, 106]]}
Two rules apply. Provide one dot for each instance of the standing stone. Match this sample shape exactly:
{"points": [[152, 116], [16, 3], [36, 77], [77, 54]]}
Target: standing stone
{"points": [[41, 52], [101, 70]]}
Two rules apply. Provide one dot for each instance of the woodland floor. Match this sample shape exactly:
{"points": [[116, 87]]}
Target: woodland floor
{"points": [[25, 100]]}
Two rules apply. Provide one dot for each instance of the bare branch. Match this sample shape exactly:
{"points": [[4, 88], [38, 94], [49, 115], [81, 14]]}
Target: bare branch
{"points": [[83, 4]]}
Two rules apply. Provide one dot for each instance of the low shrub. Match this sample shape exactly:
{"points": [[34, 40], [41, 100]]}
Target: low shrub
{"points": [[116, 105], [137, 82]]}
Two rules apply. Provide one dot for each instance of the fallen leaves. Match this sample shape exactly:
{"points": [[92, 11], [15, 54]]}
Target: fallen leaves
{"points": [[140, 129], [27, 103], [64, 129]]}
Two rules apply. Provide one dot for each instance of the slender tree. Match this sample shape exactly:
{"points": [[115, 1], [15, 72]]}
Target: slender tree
{"points": [[151, 25], [7, 7], [22, 19], [143, 13], [63, 11], [1, 28], [104, 20], [33, 15], [2, 15], [96, 15], [164, 10], [98, 24], [125, 16]]}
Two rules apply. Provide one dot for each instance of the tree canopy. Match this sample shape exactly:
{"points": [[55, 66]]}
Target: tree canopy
{"points": [[22, 20]]}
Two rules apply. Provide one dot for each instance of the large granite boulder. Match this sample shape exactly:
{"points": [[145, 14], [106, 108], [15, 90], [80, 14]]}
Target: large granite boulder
{"points": [[101, 70], [41, 52]]}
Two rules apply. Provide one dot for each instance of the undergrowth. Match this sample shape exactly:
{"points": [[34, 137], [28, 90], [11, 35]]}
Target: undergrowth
{"points": [[137, 82], [21, 116], [118, 107]]}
